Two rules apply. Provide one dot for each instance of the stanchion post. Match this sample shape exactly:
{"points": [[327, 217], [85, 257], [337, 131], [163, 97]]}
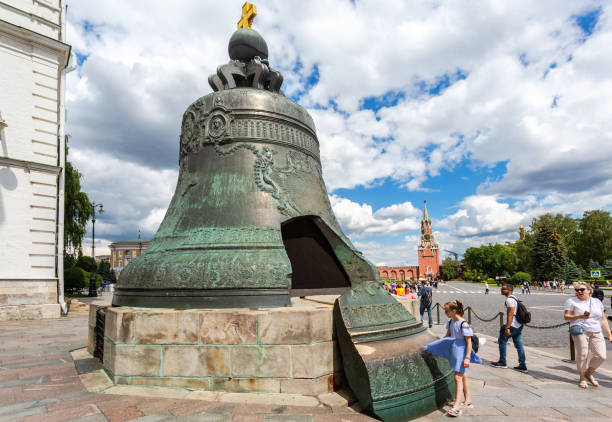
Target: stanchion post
{"points": [[572, 349], [438, 312], [501, 320], [470, 315]]}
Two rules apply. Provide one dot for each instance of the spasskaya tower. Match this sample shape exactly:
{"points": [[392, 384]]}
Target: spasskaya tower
{"points": [[429, 264]]}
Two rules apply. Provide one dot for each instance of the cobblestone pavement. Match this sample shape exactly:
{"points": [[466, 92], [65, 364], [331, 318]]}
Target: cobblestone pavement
{"points": [[39, 382]]}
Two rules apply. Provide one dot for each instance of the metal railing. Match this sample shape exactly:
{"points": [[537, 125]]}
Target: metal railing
{"points": [[500, 315]]}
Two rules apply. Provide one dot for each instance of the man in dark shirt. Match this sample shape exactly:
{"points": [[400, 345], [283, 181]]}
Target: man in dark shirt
{"points": [[425, 294], [598, 293]]}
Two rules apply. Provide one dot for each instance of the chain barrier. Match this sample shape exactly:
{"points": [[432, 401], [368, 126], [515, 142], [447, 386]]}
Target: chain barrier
{"points": [[483, 319], [499, 315], [547, 327]]}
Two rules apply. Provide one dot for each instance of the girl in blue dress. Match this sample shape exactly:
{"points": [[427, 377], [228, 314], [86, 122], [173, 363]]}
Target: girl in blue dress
{"points": [[456, 346]]}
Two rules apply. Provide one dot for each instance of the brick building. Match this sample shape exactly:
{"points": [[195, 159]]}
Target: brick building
{"points": [[428, 255]]}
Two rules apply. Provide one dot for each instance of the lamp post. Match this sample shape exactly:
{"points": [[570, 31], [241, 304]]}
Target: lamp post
{"points": [[93, 291]]}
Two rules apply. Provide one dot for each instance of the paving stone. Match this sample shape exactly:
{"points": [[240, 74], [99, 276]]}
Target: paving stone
{"points": [[166, 327], [169, 393], [248, 418], [219, 327], [95, 381], [260, 361], [22, 413], [483, 411], [65, 414], [93, 418], [203, 395], [27, 381], [191, 407], [532, 411], [279, 399], [205, 417], [606, 411], [577, 412], [87, 365], [308, 387], [288, 418], [123, 414], [334, 399], [154, 418]]}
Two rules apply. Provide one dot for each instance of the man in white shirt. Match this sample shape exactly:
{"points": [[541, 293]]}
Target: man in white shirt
{"points": [[511, 329]]}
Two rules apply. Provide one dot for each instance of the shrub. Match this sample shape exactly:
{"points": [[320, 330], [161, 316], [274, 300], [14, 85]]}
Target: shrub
{"points": [[87, 263], [98, 279], [75, 278], [520, 278]]}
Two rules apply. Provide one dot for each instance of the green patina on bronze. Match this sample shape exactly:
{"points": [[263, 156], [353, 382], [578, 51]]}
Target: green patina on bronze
{"points": [[249, 162], [383, 355]]}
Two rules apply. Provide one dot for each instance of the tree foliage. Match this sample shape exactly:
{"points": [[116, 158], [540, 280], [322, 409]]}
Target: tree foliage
{"points": [[87, 263], [549, 254], [555, 246], [108, 275], [595, 239], [450, 268], [77, 208], [75, 278], [520, 278]]}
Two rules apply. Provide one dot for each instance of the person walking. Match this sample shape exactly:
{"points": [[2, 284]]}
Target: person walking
{"points": [[425, 293], [510, 329], [586, 316], [456, 347], [598, 293]]}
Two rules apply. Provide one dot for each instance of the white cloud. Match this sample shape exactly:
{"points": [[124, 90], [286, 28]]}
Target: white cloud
{"points": [[146, 63], [358, 220]]}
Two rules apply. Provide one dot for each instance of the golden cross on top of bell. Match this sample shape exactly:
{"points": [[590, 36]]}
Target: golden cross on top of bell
{"points": [[250, 222]]}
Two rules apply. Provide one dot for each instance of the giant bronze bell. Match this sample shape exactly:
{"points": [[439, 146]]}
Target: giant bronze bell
{"points": [[250, 222]]}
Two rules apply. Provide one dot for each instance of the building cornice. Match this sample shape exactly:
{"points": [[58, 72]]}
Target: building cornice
{"points": [[29, 35], [32, 16], [30, 165]]}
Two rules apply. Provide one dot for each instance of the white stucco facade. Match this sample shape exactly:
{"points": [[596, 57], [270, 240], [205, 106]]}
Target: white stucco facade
{"points": [[33, 59]]}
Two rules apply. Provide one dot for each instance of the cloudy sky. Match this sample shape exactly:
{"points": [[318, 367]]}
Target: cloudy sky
{"points": [[492, 111]]}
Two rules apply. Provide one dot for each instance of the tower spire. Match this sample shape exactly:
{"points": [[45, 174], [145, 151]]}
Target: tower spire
{"points": [[425, 214]]}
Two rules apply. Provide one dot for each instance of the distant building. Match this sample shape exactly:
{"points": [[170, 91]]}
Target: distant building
{"points": [[428, 255], [33, 60], [103, 258], [124, 252]]}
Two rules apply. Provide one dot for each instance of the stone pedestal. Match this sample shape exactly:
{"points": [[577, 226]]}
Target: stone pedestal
{"points": [[279, 350]]}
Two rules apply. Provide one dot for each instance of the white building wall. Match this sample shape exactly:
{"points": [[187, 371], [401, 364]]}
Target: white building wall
{"points": [[31, 67]]}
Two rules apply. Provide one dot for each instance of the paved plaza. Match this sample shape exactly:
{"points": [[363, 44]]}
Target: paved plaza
{"points": [[39, 381]]}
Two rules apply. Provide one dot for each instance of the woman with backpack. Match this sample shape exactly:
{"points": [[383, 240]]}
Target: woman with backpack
{"points": [[456, 347], [587, 318]]}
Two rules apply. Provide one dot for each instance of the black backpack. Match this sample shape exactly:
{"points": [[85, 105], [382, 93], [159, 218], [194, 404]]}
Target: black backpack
{"points": [[521, 314], [475, 342]]}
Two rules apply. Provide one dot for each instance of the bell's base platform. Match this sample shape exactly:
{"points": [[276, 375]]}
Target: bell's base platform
{"points": [[275, 350]]}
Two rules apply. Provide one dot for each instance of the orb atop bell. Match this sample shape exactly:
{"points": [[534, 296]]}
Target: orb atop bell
{"points": [[246, 44], [250, 222]]}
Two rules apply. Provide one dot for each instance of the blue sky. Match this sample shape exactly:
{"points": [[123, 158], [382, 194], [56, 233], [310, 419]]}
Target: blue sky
{"points": [[492, 112]]}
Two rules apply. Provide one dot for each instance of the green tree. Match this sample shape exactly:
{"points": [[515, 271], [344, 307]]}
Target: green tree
{"points": [[450, 268], [595, 238], [105, 271], [69, 260], [549, 254], [607, 268], [519, 278], [87, 263], [523, 253], [77, 208], [75, 278], [475, 275], [574, 272]]}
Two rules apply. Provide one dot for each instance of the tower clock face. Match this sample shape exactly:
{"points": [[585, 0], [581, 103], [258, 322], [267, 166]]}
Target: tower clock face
{"points": [[427, 236]]}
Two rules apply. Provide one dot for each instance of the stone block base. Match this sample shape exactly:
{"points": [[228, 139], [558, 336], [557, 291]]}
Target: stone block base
{"points": [[20, 312], [280, 350]]}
